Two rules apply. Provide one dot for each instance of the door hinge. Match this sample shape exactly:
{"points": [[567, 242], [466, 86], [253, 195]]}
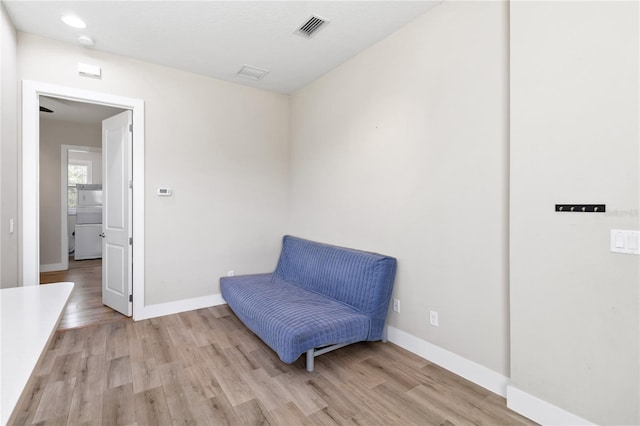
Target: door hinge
{"points": [[131, 127], [131, 298], [130, 241], [131, 184]]}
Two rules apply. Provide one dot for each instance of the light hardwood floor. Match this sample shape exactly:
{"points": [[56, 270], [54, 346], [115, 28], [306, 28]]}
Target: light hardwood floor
{"points": [[85, 305], [205, 367]]}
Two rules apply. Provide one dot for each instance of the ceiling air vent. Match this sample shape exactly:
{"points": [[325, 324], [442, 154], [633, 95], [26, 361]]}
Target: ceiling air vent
{"points": [[252, 73], [311, 26]]}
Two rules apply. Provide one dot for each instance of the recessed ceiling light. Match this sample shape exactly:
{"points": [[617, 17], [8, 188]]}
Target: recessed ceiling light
{"points": [[73, 21]]}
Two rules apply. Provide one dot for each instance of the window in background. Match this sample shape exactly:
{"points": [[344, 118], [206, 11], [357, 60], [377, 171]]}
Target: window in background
{"points": [[78, 172]]}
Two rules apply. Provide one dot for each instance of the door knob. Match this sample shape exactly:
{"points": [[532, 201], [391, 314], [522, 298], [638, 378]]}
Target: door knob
{"points": [[101, 235]]}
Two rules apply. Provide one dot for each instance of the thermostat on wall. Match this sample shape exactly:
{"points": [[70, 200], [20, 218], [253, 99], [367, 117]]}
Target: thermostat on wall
{"points": [[164, 192]]}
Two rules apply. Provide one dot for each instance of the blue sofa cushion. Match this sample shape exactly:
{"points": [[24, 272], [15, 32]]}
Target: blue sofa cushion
{"points": [[290, 319], [360, 279]]}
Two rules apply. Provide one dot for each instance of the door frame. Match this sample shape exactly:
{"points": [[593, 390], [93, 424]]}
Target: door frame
{"points": [[31, 92]]}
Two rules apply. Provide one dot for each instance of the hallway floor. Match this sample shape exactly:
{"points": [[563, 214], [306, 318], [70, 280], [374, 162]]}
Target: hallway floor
{"points": [[85, 305]]}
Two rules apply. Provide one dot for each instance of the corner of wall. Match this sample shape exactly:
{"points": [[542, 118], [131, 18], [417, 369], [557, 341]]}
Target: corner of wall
{"points": [[9, 175]]}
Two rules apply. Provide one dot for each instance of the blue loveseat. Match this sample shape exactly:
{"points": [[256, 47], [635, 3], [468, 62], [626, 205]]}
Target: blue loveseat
{"points": [[319, 298]]}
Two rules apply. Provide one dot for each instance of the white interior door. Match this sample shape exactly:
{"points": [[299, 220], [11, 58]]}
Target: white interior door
{"points": [[116, 212]]}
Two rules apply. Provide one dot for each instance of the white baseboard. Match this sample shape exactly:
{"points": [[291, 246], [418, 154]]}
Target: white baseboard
{"points": [[541, 411], [478, 374], [53, 267], [161, 309]]}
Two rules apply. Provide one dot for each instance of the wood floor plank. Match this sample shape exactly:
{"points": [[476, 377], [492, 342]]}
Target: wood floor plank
{"points": [[160, 350], [338, 400], [117, 340], [180, 336], [236, 390], [46, 363], [219, 411], [189, 355], [326, 416], [204, 367], [240, 360], [151, 407], [119, 372], [55, 402], [86, 404], [118, 407], [215, 356], [404, 406], [304, 396], [265, 358], [96, 341], [73, 341], [388, 372], [145, 375], [253, 413], [269, 392], [92, 370], [245, 340], [289, 413], [365, 418], [65, 367], [370, 405], [369, 377], [182, 408], [336, 372], [203, 382]]}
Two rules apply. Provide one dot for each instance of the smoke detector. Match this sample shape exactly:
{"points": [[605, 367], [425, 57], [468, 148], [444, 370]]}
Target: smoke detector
{"points": [[311, 26], [85, 41]]}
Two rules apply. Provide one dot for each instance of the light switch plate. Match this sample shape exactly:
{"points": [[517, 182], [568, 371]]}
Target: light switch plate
{"points": [[625, 241]]}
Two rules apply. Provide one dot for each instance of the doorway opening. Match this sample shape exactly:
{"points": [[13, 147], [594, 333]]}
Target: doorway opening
{"points": [[73, 130], [32, 193]]}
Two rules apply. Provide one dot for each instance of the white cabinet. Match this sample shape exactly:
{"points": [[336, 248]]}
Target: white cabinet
{"points": [[88, 241]]}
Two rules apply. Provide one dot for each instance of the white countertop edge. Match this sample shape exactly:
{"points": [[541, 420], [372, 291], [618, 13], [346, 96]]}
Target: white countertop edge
{"points": [[29, 317]]}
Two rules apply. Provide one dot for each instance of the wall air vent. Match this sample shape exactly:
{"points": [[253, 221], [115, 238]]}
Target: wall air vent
{"points": [[311, 26], [252, 73]]}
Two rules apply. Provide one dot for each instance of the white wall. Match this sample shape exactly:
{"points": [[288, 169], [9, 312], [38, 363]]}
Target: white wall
{"points": [[575, 318], [222, 148], [8, 153], [404, 150], [54, 134]]}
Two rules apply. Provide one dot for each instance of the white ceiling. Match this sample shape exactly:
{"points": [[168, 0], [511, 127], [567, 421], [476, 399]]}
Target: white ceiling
{"points": [[76, 112], [216, 38]]}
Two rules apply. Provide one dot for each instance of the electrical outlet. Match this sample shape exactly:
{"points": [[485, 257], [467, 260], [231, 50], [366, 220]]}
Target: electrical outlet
{"points": [[231, 273], [433, 318], [396, 305]]}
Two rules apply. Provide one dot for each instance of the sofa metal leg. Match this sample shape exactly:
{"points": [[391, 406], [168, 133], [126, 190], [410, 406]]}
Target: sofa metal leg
{"points": [[310, 356]]}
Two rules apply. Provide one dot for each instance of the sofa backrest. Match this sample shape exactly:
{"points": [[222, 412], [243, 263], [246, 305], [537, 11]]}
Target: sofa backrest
{"points": [[357, 278]]}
